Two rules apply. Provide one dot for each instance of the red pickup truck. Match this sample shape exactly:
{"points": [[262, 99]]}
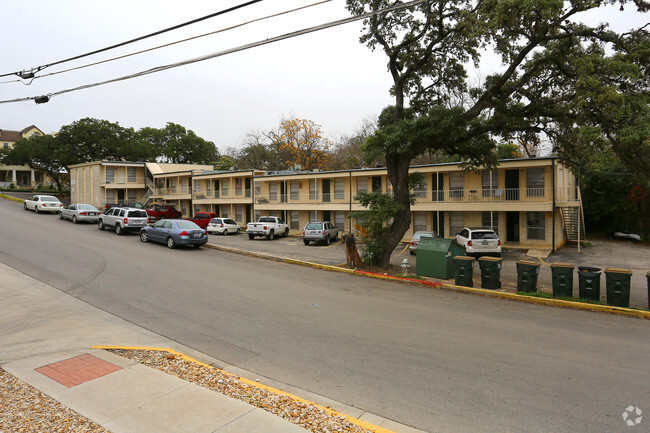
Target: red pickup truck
{"points": [[202, 219], [163, 210]]}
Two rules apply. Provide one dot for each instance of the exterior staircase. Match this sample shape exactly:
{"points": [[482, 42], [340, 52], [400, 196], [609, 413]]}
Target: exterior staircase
{"points": [[574, 223], [150, 189]]}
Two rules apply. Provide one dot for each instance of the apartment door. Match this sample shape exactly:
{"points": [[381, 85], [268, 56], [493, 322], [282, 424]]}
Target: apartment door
{"points": [[326, 192], [247, 189], [248, 212], [376, 184], [120, 195], [512, 226], [439, 223], [283, 192], [512, 184], [438, 187], [326, 215]]}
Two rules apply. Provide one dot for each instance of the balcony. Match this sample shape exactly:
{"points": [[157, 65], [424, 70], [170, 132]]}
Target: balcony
{"points": [[134, 182]]}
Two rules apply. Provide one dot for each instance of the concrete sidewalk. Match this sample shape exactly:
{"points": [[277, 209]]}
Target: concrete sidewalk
{"points": [[45, 336]]}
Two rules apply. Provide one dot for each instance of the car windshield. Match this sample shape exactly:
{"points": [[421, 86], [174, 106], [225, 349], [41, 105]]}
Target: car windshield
{"points": [[484, 235], [86, 207], [215, 221], [138, 214], [418, 235], [49, 198], [187, 225], [313, 226], [267, 220]]}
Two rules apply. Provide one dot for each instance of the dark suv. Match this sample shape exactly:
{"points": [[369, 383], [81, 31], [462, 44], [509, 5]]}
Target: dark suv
{"points": [[123, 219]]}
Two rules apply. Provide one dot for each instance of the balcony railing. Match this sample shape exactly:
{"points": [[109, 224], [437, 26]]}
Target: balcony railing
{"points": [[124, 181]]}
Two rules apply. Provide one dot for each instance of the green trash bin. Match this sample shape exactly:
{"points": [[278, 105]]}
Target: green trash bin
{"points": [[589, 283], [490, 272], [617, 282], [527, 273], [435, 257], [464, 271], [562, 276]]}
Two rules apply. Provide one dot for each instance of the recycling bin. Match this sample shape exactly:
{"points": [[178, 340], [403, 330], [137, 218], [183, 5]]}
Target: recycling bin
{"points": [[589, 283], [527, 273], [490, 272], [617, 282], [435, 257], [464, 271], [562, 276]]}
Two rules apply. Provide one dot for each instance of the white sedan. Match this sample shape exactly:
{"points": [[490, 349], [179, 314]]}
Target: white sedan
{"points": [[43, 203], [80, 212]]}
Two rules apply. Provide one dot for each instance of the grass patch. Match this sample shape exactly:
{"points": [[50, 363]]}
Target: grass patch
{"points": [[561, 298], [8, 197]]}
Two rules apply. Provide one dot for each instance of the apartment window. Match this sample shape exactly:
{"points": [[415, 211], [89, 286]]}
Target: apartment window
{"points": [[184, 184], [197, 208], [224, 187], [490, 220], [238, 186], [184, 209], [239, 212], [456, 222], [5, 145], [362, 184], [313, 189], [130, 174], [295, 220], [258, 188], [132, 195], [487, 186], [339, 219], [110, 174], [536, 225], [535, 182], [208, 187], [419, 221], [197, 186], [294, 186], [420, 191], [456, 184], [273, 190], [339, 189], [313, 216], [224, 211]]}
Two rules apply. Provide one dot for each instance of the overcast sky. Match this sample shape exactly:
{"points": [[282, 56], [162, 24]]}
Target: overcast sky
{"points": [[327, 77]]}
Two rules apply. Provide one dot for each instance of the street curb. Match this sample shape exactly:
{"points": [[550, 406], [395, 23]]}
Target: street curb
{"points": [[358, 422], [10, 198], [630, 312]]}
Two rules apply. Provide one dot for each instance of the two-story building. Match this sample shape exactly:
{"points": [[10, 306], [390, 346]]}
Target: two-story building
{"points": [[21, 176]]}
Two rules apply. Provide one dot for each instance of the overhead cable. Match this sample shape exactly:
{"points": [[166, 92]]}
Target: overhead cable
{"points": [[29, 73], [228, 51]]}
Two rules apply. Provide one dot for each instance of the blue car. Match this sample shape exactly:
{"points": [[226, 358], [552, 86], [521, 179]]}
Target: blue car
{"points": [[175, 232]]}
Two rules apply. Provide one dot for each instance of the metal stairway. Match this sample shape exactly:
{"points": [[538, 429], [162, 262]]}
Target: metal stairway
{"points": [[574, 223]]}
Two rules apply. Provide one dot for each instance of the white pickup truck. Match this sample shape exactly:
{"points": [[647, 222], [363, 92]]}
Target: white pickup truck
{"points": [[267, 226]]}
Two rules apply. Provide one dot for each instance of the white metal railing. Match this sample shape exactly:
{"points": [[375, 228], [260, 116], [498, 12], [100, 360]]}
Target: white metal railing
{"points": [[124, 181]]}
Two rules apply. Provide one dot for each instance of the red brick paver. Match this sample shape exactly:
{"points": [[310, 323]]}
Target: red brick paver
{"points": [[80, 369]]}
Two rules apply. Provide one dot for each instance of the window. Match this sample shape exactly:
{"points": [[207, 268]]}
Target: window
{"points": [[487, 186], [197, 208], [419, 221], [420, 191], [224, 211], [258, 188], [197, 186], [130, 174], [313, 216], [238, 186], [184, 184], [208, 187], [535, 182], [339, 189], [536, 225], [184, 209], [110, 174], [224, 187], [216, 188], [273, 190], [132, 195], [456, 222], [239, 212], [294, 186], [5, 145], [456, 185], [362, 184], [339, 219], [486, 217], [295, 219], [313, 189], [376, 184]]}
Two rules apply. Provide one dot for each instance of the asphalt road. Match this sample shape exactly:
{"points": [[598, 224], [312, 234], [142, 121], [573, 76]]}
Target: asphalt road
{"points": [[432, 359]]}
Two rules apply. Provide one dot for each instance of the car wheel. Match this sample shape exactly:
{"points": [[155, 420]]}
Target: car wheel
{"points": [[225, 232], [118, 229], [25, 206], [286, 232], [305, 241], [412, 253], [60, 215], [197, 246], [251, 237], [36, 209], [271, 235], [170, 243], [327, 241], [100, 225], [237, 232], [336, 237], [74, 219], [144, 237]]}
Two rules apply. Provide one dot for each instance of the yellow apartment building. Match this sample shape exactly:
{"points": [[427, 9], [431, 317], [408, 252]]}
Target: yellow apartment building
{"points": [[21, 176]]}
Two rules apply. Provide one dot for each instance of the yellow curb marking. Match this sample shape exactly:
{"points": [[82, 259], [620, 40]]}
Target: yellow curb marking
{"points": [[400, 253], [543, 262], [328, 410]]}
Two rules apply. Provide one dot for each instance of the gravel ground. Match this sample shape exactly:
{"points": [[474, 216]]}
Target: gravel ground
{"points": [[25, 409], [308, 416]]}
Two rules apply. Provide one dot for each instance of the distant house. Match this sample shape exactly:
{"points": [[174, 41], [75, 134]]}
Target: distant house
{"points": [[21, 176]]}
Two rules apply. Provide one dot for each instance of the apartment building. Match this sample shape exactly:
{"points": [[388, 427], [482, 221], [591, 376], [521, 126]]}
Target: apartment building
{"points": [[21, 176]]}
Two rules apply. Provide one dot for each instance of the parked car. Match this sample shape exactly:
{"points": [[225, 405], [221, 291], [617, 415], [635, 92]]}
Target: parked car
{"points": [[160, 211], [123, 219], [80, 212], [135, 204], [174, 232], [43, 203], [267, 226], [223, 226], [415, 240], [320, 231], [478, 242], [202, 219]]}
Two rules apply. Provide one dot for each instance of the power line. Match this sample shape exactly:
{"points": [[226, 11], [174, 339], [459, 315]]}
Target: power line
{"points": [[45, 98], [171, 43], [27, 74]]}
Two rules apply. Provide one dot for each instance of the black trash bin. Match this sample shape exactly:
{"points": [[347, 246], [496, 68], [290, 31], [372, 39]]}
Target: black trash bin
{"points": [[617, 282], [490, 272], [562, 276], [589, 283], [464, 271], [527, 273]]}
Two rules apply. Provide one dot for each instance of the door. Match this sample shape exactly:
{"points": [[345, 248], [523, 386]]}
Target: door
{"points": [[326, 191], [248, 213], [438, 187], [283, 192], [512, 226], [376, 184], [326, 215], [440, 222], [120, 195], [512, 184], [247, 189]]}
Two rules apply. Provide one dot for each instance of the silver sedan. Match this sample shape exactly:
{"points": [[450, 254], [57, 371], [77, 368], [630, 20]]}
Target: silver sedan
{"points": [[80, 212]]}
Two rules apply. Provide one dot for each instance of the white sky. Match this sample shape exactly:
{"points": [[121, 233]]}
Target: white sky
{"points": [[327, 77]]}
